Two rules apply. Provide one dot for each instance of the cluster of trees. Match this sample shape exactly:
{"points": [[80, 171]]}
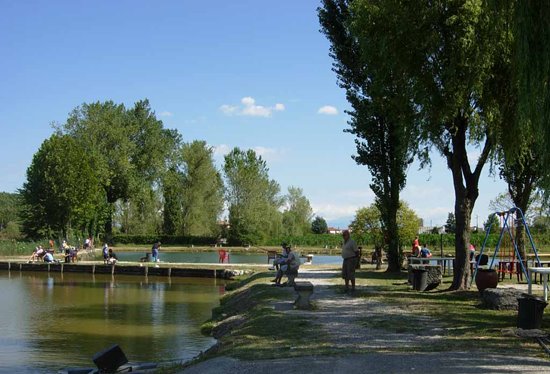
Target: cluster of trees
{"points": [[448, 76], [111, 169], [10, 204]]}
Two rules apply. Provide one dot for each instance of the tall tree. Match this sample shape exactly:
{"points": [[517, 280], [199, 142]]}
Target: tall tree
{"points": [[445, 50], [130, 146], [62, 190], [382, 118], [532, 66], [297, 214], [253, 199], [194, 192]]}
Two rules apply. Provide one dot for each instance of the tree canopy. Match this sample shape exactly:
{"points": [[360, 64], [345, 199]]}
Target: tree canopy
{"points": [[382, 115], [253, 199]]}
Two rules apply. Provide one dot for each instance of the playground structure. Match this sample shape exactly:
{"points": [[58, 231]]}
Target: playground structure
{"points": [[510, 260]]}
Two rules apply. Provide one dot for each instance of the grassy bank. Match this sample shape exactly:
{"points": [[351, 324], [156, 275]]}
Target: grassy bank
{"points": [[254, 320]]}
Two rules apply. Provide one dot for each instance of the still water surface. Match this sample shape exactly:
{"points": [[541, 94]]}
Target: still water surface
{"points": [[212, 257], [51, 321]]}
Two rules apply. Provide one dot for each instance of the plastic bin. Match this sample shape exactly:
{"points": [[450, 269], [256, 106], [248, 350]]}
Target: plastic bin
{"points": [[420, 279], [530, 311]]}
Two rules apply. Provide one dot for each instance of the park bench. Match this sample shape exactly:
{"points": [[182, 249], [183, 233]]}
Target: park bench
{"points": [[304, 291]]}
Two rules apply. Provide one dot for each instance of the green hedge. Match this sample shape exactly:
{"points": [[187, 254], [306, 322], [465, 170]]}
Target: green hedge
{"points": [[18, 248], [164, 239]]}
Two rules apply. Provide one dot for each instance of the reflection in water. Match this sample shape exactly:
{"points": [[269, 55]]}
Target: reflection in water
{"points": [[57, 320]]}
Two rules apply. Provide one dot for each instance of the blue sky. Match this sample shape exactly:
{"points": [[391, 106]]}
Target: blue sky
{"points": [[252, 74]]}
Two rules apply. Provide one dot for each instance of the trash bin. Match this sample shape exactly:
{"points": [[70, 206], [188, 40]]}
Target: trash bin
{"points": [[530, 311], [420, 279]]}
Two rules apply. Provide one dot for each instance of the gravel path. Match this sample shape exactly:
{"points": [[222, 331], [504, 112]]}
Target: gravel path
{"points": [[339, 316]]}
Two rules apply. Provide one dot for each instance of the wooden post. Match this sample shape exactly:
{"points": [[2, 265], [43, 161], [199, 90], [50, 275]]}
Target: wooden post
{"points": [[146, 270], [169, 272]]}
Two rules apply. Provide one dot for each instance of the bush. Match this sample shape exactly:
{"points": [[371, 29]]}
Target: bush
{"points": [[164, 239], [18, 248]]}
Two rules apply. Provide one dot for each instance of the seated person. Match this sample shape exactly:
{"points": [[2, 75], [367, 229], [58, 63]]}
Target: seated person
{"points": [[425, 252], [278, 262], [112, 257], [289, 268], [48, 257], [37, 254]]}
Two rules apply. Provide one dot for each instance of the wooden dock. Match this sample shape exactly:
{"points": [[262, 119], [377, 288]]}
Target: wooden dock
{"points": [[143, 270]]}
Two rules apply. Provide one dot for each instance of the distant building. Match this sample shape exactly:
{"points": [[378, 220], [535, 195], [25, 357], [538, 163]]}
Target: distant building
{"points": [[431, 230], [334, 230]]}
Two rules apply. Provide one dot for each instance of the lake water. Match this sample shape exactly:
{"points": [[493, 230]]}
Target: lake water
{"points": [[212, 257], [52, 321]]}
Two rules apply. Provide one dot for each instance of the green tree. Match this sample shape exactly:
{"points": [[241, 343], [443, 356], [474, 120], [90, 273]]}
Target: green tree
{"points": [[531, 21], [368, 220], [193, 193], [10, 207], [450, 224], [130, 147], [492, 223], [446, 51], [382, 116], [253, 199], [140, 214], [297, 214], [319, 225], [62, 190]]}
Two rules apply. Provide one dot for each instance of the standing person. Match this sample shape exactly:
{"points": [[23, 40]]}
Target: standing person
{"points": [[105, 251], [155, 252], [350, 254], [416, 246]]}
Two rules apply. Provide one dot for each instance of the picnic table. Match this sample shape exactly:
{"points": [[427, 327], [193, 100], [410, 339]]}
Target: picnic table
{"points": [[544, 273], [445, 262]]}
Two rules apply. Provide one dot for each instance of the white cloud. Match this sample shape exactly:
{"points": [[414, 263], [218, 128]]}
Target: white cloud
{"points": [[221, 150], [248, 101], [328, 110], [249, 108], [333, 212], [228, 109], [268, 154], [166, 114]]}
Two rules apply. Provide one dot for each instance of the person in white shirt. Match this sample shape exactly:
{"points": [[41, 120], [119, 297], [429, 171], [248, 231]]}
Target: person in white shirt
{"points": [[350, 254]]}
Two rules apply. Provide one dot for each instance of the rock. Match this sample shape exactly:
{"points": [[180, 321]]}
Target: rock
{"points": [[500, 298]]}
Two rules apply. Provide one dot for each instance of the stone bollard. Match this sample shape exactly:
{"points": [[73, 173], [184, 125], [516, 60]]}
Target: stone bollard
{"points": [[304, 290]]}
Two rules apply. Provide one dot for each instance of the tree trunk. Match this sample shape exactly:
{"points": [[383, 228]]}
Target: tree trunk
{"points": [[465, 182], [394, 255], [463, 212]]}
